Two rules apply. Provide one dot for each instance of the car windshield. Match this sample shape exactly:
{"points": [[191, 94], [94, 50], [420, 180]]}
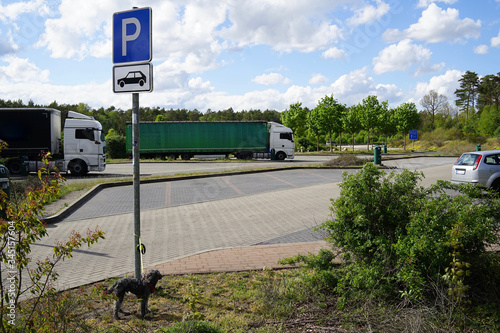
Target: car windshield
{"points": [[467, 159]]}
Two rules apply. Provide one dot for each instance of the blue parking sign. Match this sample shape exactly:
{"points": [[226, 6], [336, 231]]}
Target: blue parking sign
{"points": [[413, 135], [132, 36]]}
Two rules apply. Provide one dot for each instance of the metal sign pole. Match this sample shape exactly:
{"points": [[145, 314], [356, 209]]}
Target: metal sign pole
{"points": [[133, 72], [137, 199]]}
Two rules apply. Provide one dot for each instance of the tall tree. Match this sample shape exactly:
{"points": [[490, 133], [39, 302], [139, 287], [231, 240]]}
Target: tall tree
{"points": [[369, 110], [314, 126], [330, 113], [386, 124], [351, 122], [467, 93], [406, 118], [489, 91], [295, 118], [433, 103]]}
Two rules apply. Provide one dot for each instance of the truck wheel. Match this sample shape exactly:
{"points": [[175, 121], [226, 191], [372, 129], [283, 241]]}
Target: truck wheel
{"points": [[14, 165], [78, 168], [280, 156], [172, 157], [244, 155], [185, 156]]}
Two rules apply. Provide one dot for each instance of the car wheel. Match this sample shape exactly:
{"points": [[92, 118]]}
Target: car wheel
{"points": [[496, 185], [141, 83], [121, 83]]}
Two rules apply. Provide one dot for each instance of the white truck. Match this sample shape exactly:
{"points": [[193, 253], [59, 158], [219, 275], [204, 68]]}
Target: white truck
{"points": [[29, 132]]}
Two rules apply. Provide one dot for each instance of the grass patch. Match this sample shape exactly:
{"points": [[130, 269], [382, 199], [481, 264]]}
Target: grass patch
{"points": [[255, 301]]}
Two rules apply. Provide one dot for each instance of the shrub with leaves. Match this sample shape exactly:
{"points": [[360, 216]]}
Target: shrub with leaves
{"points": [[396, 235], [21, 229], [115, 145]]}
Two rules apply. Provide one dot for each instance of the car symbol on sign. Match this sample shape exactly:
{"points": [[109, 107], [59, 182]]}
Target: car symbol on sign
{"points": [[133, 78]]}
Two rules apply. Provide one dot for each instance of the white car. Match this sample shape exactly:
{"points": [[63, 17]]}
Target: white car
{"points": [[478, 167]]}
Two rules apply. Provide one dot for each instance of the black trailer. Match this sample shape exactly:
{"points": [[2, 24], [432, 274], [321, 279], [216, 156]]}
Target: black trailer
{"points": [[29, 132]]}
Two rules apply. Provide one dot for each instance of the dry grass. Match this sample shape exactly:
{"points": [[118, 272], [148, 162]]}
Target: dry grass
{"points": [[255, 301], [347, 160]]}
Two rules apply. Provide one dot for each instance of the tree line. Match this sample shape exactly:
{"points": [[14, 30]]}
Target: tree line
{"points": [[474, 115]]}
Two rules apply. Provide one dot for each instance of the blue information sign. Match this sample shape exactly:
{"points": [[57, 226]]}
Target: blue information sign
{"points": [[413, 135], [132, 36]]}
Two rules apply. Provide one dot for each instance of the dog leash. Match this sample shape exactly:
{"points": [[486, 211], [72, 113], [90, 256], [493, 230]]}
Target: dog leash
{"points": [[142, 249]]}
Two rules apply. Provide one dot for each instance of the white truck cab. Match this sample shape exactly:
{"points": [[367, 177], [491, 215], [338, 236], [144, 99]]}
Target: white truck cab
{"points": [[84, 144], [282, 141]]}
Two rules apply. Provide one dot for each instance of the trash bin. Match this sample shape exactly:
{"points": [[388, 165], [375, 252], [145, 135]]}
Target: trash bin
{"points": [[385, 149], [377, 156], [478, 147], [273, 154], [4, 185]]}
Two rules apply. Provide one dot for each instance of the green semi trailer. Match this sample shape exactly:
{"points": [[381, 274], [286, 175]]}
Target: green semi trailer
{"points": [[243, 139]]}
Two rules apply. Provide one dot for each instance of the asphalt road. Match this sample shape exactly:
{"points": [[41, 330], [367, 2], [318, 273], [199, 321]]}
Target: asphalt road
{"points": [[182, 218]]}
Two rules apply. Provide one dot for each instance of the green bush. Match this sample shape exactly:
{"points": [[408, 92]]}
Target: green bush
{"points": [[308, 144], [115, 145], [398, 237]]}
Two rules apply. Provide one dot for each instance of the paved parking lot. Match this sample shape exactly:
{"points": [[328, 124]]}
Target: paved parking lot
{"points": [[119, 200], [183, 218]]}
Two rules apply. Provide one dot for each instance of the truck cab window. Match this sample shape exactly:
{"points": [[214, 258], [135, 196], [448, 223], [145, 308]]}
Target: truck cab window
{"points": [[86, 133], [286, 136]]}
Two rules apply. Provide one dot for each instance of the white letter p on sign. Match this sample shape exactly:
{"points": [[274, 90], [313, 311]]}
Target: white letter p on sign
{"points": [[127, 38]]}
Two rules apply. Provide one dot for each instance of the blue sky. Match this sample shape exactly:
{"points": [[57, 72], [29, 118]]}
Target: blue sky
{"points": [[252, 54]]}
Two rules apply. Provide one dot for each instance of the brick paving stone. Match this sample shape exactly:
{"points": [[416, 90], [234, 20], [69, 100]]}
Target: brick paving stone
{"points": [[239, 259]]}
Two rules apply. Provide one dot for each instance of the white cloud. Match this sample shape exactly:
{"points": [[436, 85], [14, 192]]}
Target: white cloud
{"points": [[445, 84], [333, 53], [368, 14], [437, 25], [318, 79], [495, 41], [14, 10], [402, 56], [80, 29], [351, 88], [271, 78], [481, 49], [198, 84], [262, 99], [22, 70], [306, 28], [96, 95]]}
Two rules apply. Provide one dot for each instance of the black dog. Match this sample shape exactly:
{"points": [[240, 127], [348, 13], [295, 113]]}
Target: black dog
{"points": [[141, 288]]}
